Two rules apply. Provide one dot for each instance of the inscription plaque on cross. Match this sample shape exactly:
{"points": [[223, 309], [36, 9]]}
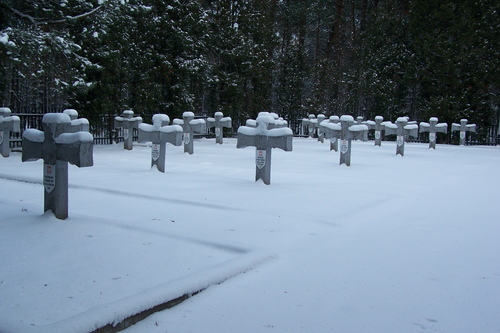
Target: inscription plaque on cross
{"points": [[190, 126], [433, 127], [128, 122], [264, 140], [159, 134], [57, 145], [8, 124], [218, 123], [345, 132], [402, 130], [463, 127]]}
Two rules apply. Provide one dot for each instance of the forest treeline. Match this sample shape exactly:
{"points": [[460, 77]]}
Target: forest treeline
{"points": [[416, 58]]}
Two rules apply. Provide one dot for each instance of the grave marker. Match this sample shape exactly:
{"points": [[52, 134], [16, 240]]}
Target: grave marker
{"points": [[159, 134], [334, 143], [57, 145], [264, 139], [8, 124], [316, 124], [463, 128], [218, 123], [378, 126], [402, 129], [190, 126], [128, 122], [433, 127], [345, 132], [307, 122], [80, 124]]}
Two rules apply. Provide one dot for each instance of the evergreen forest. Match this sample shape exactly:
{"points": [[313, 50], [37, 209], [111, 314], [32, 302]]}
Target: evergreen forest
{"points": [[416, 58]]}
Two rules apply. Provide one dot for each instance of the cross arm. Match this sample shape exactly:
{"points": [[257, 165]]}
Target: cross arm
{"points": [[75, 148], [198, 125], [32, 144], [411, 130], [171, 134], [145, 132], [226, 122], [359, 132]]}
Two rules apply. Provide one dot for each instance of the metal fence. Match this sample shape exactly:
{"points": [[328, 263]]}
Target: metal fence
{"points": [[103, 131]]}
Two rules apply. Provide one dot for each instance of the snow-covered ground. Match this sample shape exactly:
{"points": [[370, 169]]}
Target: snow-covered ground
{"points": [[389, 244]]}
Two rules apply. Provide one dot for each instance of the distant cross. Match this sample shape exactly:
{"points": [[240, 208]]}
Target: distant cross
{"points": [[345, 132], [433, 127], [128, 122], [308, 122], [402, 129], [159, 134], [334, 143], [190, 126], [8, 124], [264, 139], [218, 123], [359, 120], [378, 126], [463, 128], [316, 124], [57, 145], [81, 124]]}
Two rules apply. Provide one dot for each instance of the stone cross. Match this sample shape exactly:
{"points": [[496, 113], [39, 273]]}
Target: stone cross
{"points": [[307, 122], [159, 134], [334, 143], [345, 132], [8, 124], [190, 126], [57, 145], [463, 128], [433, 127], [128, 122], [402, 130], [264, 139], [218, 123], [378, 126], [80, 124], [316, 124]]}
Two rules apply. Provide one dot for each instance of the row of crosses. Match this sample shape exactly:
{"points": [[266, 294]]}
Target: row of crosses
{"points": [[66, 139]]}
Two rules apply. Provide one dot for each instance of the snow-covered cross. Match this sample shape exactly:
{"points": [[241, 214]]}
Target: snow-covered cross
{"points": [[433, 127], [345, 132], [308, 122], [378, 126], [159, 134], [57, 145], [334, 143], [8, 124], [128, 122], [402, 129], [78, 124], [463, 127], [190, 126], [264, 139], [218, 123], [316, 124]]}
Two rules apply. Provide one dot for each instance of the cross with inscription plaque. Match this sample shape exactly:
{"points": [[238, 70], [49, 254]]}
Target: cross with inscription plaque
{"points": [[57, 145], [190, 126], [334, 142], [8, 124], [402, 130], [433, 127], [218, 123], [463, 128], [308, 123], [345, 132], [128, 122], [159, 134], [264, 139], [378, 126]]}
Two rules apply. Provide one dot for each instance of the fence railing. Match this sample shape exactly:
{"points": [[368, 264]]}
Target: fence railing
{"points": [[103, 131]]}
